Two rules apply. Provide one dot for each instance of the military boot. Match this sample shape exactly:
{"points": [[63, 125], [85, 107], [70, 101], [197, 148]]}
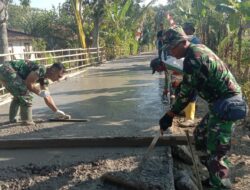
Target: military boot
{"points": [[14, 111], [26, 115]]}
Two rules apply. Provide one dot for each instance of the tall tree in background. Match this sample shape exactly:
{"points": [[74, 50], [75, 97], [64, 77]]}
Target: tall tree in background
{"points": [[95, 10], [3, 26], [3, 29], [25, 3]]}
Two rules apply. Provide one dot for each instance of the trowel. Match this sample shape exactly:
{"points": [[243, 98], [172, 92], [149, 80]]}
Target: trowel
{"points": [[66, 118]]}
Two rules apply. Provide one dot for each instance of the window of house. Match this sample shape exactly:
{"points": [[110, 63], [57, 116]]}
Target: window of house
{"points": [[26, 49], [11, 50]]}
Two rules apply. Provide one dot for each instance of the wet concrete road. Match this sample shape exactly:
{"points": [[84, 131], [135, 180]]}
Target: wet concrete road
{"points": [[120, 98]]}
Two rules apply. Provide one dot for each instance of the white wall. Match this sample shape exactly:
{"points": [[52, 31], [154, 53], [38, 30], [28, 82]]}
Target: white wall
{"points": [[18, 47]]}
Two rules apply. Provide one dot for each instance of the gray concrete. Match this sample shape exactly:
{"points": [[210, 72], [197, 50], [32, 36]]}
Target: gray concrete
{"points": [[120, 98]]}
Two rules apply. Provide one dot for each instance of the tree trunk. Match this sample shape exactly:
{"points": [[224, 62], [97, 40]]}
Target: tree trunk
{"points": [[246, 75], [239, 48], [3, 30], [96, 32]]}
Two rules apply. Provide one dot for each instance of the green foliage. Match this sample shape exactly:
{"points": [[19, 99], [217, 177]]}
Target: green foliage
{"points": [[226, 9], [120, 24], [244, 8], [246, 91], [25, 3], [245, 51], [56, 27], [217, 24], [39, 44], [50, 59]]}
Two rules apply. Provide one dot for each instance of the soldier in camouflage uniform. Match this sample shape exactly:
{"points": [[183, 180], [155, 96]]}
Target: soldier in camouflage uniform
{"points": [[208, 75], [20, 78]]}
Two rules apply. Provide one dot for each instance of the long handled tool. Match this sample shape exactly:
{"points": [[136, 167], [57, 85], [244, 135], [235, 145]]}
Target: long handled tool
{"points": [[119, 181], [150, 148], [195, 164]]}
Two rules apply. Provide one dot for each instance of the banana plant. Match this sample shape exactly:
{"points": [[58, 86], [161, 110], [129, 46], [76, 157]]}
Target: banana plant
{"points": [[124, 18], [238, 16]]}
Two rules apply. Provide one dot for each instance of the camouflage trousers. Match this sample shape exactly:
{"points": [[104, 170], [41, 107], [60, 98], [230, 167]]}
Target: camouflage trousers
{"points": [[22, 97], [15, 85], [213, 136]]}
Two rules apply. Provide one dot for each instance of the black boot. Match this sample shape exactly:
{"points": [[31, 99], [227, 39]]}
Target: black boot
{"points": [[206, 183]]}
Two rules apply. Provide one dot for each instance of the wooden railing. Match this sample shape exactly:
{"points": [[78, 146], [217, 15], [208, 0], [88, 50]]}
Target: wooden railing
{"points": [[73, 59]]}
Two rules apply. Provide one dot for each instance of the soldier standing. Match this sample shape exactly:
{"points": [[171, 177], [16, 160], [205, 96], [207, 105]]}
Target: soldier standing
{"points": [[190, 109], [160, 34], [206, 73]]}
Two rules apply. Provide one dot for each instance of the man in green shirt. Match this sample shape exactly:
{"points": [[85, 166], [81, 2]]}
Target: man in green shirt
{"points": [[20, 79], [205, 73]]}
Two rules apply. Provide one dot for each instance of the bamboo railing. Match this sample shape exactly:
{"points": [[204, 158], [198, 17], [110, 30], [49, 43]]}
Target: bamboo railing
{"points": [[73, 59]]}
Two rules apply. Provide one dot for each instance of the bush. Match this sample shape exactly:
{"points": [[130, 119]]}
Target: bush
{"points": [[246, 91]]}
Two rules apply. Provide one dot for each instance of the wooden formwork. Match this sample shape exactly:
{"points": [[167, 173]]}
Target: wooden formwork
{"points": [[90, 142]]}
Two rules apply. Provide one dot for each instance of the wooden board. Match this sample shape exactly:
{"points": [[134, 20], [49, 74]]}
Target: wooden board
{"points": [[90, 142]]}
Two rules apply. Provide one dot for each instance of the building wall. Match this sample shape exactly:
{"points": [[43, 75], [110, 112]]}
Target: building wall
{"points": [[19, 47]]}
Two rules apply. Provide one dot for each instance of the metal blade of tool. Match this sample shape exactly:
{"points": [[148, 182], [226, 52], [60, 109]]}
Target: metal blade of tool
{"points": [[60, 120], [67, 120]]}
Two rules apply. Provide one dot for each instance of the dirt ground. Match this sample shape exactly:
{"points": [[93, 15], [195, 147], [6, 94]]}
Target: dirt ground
{"points": [[239, 154]]}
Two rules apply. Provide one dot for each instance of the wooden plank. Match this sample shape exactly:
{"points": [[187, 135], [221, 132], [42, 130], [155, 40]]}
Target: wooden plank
{"points": [[90, 142]]}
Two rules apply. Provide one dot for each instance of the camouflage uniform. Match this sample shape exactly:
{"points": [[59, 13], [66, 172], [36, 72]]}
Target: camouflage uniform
{"points": [[12, 75], [209, 76]]}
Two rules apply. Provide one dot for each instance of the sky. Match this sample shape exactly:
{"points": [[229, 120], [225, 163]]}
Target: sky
{"points": [[47, 4], [42, 4]]}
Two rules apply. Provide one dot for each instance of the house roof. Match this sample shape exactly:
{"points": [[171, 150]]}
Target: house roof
{"points": [[17, 35]]}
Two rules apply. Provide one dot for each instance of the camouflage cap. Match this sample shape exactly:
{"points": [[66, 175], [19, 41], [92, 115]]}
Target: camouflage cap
{"points": [[154, 64], [174, 36]]}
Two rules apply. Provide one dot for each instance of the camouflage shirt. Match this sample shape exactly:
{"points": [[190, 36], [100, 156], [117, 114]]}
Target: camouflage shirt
{"points": [[207, 74], [24, 68]]}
